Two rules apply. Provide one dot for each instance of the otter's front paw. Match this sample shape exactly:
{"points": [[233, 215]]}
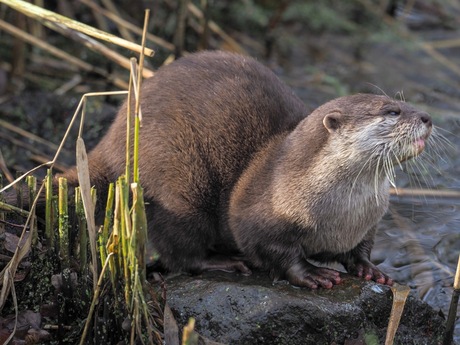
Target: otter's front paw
{"points": [[368, 271], [305, 274]]}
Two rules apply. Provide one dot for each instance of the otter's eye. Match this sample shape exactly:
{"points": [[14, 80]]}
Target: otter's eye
{"points": [[393, 112]]}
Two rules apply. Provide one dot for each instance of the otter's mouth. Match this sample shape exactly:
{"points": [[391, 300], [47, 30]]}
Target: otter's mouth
{"points": [[414, 148], [419, 145]]}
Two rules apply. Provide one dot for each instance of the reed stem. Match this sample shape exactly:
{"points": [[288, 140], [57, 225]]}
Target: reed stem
{"points": [[64, 243], [49, 233]]}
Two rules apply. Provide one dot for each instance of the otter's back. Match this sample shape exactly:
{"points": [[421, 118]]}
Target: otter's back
{"points": [[204, 116]]}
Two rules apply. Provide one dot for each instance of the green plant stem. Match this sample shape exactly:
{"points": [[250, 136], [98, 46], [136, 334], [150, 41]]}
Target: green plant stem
{"points": [[137, 124], [104, 235], [128, 131], [48, 209], [125, 234], [10, 208], [64, 242], [140, 228], [32, 185]]}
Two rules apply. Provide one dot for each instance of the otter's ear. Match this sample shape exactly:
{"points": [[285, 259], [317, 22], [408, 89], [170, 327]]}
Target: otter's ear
{"points": [[332, 121]]}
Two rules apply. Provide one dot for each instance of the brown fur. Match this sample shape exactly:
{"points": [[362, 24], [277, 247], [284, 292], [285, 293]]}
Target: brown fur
{"points": [[316, 192], [230, 166]]}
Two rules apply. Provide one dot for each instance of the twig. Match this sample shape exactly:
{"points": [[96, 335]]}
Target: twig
{"points": [[179, 35], [59, 67], [10, 208], [42, 14], [38, 156], [217, 30], [13, 225], [155, 39], [59, 53], [60, 148], [204, 22], [4, 168], [426, 47], [400, 293], [94, 45], [101, 23], [114, 10], [28, 135], [425, 192], [76, 79], [450, 43], [42, 159], [19, 49]]}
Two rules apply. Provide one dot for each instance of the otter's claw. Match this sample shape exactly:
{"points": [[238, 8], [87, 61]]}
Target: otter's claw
{"points": [[369, 271], [306, 275]]}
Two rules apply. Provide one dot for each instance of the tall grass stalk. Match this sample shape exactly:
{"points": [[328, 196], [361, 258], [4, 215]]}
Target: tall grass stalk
{"points": [[125, 232], [129, 234], [113, 240], [64, 243], [19, 193], [49, 231], [32, 186], [128, 129], [104, 233]]}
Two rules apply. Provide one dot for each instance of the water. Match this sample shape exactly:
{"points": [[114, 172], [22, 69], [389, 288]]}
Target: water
{"points": [[418, 243]]}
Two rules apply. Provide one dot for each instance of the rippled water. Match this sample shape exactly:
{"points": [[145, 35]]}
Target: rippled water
{"points": [[418, 242]]}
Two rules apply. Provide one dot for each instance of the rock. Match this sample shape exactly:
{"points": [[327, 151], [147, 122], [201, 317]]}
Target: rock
{"points": [[234, 309]]}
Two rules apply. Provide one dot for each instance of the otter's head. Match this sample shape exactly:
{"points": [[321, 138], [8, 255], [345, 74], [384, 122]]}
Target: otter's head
{"points": [[376, 126]]}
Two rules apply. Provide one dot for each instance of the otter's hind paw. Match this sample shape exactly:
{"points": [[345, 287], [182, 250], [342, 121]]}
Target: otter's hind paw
{"points": [[369, 271], [305, 274]]}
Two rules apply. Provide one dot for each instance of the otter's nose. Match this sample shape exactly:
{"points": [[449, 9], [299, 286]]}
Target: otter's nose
{"points": [[426, 119]]}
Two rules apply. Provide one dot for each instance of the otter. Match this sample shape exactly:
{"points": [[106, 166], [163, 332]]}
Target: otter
{"points": [[237, 175]]}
